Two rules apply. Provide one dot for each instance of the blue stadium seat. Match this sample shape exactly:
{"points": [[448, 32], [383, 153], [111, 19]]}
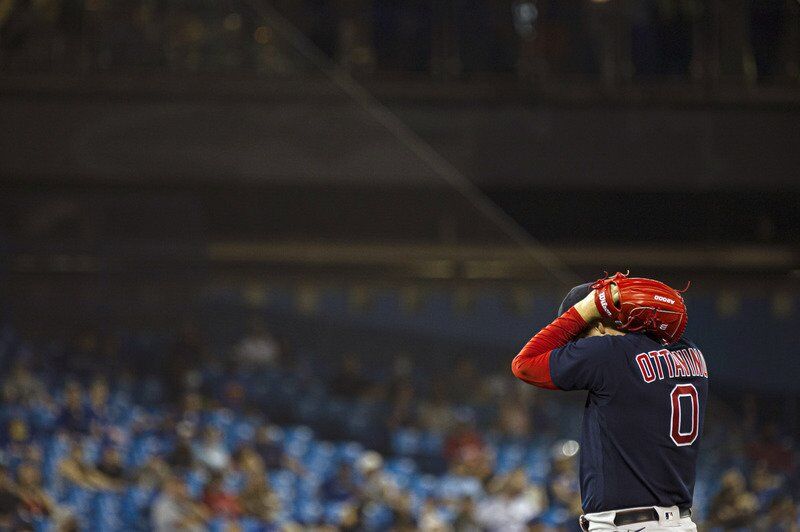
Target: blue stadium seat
{"points": [[509, 457], [457, 486], [349, 451], [377, 517], [142, 449], [239, 433], [135, 507], [423, 486], [195, 481], [249, 524], [43, 525], [284, 482], [557, 518], [406, 441], [218, 524], [79, 501], [537, 463], [233, 482], [332, 512], [54, 451], [91, 450], [431, 444], [308, 511], [106, 512], [297, 440]]}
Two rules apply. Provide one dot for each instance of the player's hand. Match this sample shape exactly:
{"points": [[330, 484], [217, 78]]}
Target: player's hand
{"points": [[638, 304], [615, 293], [587, 308]]}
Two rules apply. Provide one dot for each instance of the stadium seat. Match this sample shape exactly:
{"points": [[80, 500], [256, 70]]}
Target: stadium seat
{"points": [[406, 442], [457, 487]]}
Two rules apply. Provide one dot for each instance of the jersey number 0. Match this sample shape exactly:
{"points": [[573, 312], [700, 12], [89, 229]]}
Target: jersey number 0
{"points": [[681, 409]]}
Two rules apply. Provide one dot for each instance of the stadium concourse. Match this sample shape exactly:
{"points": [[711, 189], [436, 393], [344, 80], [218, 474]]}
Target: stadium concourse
{"points": [[269, 440]]}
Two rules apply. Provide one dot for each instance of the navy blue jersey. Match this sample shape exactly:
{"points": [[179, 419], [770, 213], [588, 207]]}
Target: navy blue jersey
{"points": [[643, 419]]}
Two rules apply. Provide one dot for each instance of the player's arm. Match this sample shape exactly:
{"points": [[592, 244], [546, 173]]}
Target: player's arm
{"points": [[532, 364]]}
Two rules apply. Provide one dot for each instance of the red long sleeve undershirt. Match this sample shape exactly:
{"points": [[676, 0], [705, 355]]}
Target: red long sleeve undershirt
{"points": [[532, 364]]}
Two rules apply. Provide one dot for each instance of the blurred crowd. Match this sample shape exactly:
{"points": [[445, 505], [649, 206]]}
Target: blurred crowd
{"points": [[535, 39], [130, 434]]}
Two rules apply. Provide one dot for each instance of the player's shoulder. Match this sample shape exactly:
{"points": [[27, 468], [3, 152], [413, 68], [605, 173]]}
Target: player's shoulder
{"points": [[591, 363], [621, 347], [685, 342], [642, 342], [606, 345], [636, 343], [618, 341]]}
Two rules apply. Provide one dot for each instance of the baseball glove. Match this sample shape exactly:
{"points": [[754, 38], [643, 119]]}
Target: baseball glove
{"points": [[644, 305]]}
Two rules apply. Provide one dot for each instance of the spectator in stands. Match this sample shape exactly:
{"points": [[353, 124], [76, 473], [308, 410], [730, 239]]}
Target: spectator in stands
{"points": [[376, 485], [35, 503], [430, 518], [17, 430], [400, 378], [111, 467], [512, 505], [9, 501], [258, 349], [248, 460], [780, 515], [463, 382], [349, 381], [350, 518], [402, 404], [76, 470], [34, 500], [766, 484], [11, 399], [501, 502], [219, 501], [181, 458], [514, 420], [773, 449], [30, 453], [74, 417], [465, 450], [256, 498], [563, 489], [466, 519], [341, 486], [463, 438], [733, 506], [403, 517], [24, 386], [269, 447], [98, 409], [435, 413], [152, 474], [174, 510], [187, 354], [232, 388], [191, 411], [211, 451]]}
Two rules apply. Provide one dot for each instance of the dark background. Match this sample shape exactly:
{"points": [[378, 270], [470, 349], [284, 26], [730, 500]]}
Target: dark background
{"points": [[419, 178]]}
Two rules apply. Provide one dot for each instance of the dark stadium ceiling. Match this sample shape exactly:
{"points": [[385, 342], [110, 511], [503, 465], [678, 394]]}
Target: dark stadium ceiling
{"points": [[290, 132]]}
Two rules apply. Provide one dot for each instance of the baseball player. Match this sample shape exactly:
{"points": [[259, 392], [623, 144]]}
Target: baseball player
{"points": [[621, 339]]}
